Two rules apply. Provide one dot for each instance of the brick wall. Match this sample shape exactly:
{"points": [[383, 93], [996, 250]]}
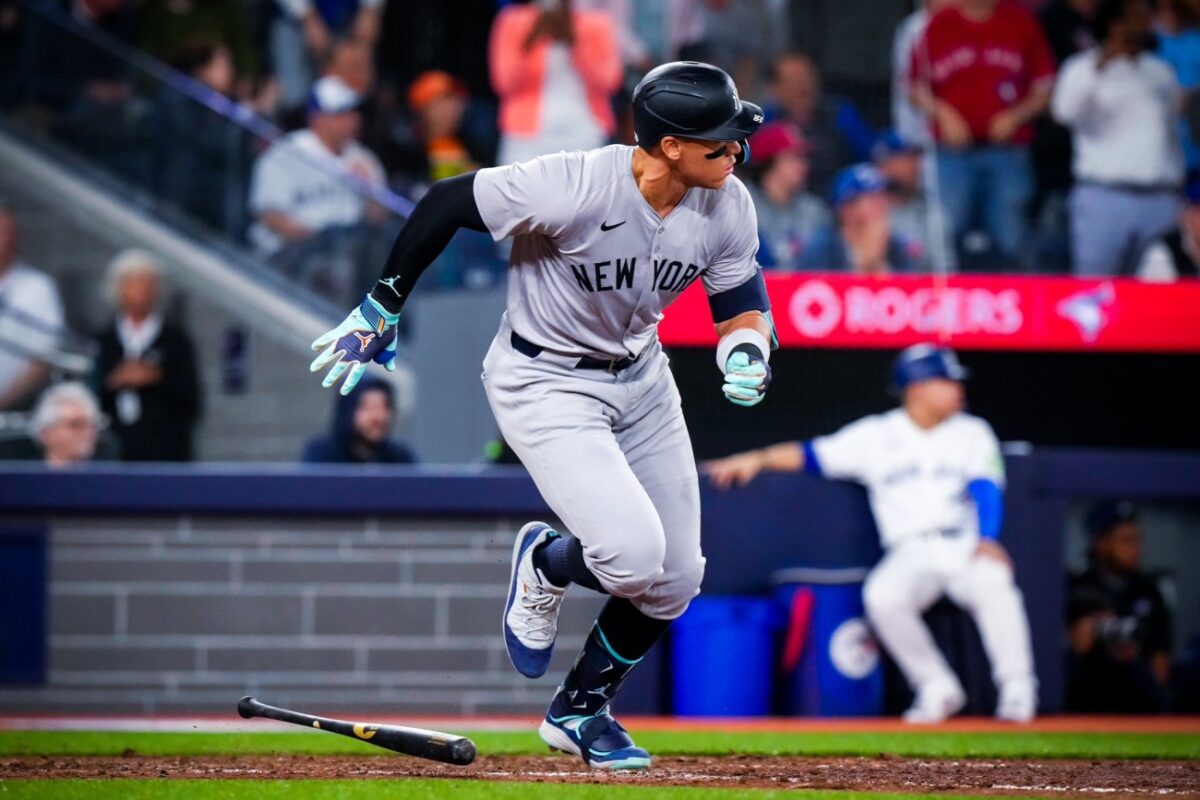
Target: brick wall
{"points": [[187, 614]]}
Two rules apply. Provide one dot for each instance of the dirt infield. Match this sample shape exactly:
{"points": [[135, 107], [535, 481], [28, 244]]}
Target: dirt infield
{"points": [[228, 722], [1048, 724], [977, 777]]}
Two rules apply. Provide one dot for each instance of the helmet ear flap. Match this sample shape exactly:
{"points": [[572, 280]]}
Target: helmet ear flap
{"points": [[744, 155]]}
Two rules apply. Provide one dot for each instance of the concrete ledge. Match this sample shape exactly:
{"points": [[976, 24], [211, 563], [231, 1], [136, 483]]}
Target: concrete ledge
{"points": [[269, 489]]}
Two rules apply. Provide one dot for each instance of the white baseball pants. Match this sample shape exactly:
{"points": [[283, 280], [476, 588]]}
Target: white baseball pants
{"points": [[914, 574]]}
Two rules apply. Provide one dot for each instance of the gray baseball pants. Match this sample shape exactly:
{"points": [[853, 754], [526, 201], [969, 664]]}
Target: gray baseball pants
{"points": [[611, 455]]}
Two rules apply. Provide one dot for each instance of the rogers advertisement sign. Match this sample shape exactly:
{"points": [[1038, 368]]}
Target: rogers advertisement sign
{"points": [[968, 312]]}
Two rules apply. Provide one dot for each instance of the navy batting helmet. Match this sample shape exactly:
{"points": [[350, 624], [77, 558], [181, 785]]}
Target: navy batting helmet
{"points": [[922, 362], [694, 101]]}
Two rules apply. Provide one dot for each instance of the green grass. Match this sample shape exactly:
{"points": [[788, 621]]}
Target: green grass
{"points": [[408, 789], [932, 744]]}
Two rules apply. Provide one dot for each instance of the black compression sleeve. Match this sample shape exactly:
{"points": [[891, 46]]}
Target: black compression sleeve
{"points": [[448, 206]]}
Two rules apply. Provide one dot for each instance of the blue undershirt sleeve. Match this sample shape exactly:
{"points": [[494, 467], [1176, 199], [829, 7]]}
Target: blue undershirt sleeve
{"points": [[811, 464], [989, 504]]}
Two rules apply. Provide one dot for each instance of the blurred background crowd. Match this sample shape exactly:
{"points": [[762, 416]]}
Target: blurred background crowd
{"points": [[959, 135], [1066, 146]]}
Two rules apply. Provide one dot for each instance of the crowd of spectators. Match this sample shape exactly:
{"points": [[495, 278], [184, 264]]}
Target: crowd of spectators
{"points": [[143, 396], [1043, 135]]}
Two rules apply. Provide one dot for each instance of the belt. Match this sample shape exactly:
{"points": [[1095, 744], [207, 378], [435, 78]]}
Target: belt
{"points": [[939, 533], [1131, 188], [528, 348]]}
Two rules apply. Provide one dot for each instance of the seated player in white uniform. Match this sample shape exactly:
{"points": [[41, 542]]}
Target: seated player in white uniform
{"points": [[935, 481], [581, 389]]}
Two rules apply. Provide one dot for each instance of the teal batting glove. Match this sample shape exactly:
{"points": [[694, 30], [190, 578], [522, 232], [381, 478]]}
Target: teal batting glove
{"points": [[746, 379], [367, 334]]}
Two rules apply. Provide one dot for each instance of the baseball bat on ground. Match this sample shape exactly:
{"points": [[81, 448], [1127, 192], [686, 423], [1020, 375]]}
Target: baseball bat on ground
{"points": [[400, 738]]}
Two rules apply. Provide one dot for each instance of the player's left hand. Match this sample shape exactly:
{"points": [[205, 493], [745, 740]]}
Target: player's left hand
{"points": [[367, 334], [746, 379]]}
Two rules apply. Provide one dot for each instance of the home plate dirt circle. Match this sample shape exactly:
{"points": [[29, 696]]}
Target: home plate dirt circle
{"points": [[1058, 778]]}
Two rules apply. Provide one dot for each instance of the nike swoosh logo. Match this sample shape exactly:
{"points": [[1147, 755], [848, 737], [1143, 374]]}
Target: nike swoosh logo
{"points": [[604, 226]]}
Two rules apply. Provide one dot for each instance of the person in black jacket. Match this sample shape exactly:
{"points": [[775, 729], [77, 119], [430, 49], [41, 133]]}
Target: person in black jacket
{"points": [[146, 372], [1118, 621], [361, 429]]}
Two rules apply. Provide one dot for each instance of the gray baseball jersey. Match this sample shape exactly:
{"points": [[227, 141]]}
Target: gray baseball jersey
{"points": [[593, 265]]}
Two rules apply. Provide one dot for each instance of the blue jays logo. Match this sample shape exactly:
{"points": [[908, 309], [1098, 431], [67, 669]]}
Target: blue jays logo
{"points": [[1088, 310], [363, 340]]}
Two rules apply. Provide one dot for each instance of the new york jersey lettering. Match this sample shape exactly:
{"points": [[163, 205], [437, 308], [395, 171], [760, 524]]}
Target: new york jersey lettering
{"points": [[673, 276], [605, 276]]}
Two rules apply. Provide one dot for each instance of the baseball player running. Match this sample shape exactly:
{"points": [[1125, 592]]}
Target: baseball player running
{"points": [[935, 481], [580, 387]]}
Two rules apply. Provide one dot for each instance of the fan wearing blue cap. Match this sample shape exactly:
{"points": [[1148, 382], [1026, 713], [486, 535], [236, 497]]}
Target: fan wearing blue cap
{"points": [[917, 216], [934, 479], [861, 241]]}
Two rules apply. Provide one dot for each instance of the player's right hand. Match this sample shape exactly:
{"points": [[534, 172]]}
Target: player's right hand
{"points": [[736, 470], [367, 334]]}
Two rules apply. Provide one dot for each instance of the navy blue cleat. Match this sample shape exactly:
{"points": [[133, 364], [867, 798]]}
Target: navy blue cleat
{"points": [[599, 740], [531, 612]]}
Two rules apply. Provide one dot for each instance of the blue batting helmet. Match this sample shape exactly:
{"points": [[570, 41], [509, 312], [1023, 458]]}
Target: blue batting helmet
{"points": [[922, 362]]}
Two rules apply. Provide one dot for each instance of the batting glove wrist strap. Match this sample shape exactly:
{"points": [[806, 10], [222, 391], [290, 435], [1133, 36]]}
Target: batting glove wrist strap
{"points": [[378, 317], [747, 339]]}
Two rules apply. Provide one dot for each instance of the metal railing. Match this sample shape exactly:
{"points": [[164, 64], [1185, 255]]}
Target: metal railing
{"points": [[168, 143]]}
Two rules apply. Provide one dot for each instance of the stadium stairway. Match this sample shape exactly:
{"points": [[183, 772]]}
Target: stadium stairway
{"points": [[259, 404]]}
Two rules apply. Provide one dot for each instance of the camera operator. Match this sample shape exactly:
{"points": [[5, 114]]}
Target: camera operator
{"points": [[1119, 625]]}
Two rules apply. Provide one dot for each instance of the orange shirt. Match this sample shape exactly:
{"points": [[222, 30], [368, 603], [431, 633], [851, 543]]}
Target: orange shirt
{"points": [[517, 74]]}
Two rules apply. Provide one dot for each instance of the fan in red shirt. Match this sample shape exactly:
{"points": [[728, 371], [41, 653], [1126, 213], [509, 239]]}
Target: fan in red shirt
{"points": [[983, 71]]}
